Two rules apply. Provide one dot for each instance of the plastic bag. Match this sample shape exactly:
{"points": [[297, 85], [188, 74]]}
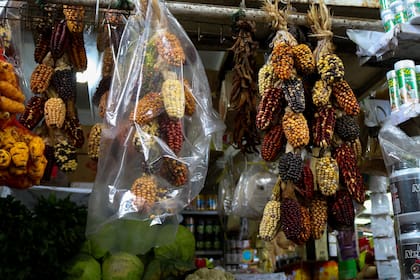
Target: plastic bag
{"points": [[144, 173]]}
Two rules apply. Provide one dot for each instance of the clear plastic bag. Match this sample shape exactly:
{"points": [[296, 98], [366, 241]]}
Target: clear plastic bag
{"points": [[153, 158]]}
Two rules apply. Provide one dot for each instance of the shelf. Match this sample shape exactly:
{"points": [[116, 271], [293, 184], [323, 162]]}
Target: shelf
{"points": [[208, 252], [204, 213]]}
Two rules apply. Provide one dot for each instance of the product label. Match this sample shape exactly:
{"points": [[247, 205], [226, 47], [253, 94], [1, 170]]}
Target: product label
{"points": [[411, 259], [400, 17], [418, 83], [407, 84], [388, 25], [394, 96], [384, 4], [405, 192]]}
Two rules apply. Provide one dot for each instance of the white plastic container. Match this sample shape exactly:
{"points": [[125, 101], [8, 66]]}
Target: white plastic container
{"points": [[418, 77], [410, 251], [387, 17], [407, 81], [398, 9], [394, 94], [413, 9]]}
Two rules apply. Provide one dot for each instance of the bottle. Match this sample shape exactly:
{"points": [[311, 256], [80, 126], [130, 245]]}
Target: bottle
{"points": [[410, 250], [394, 96], [398, 9], [407, 81], [387, 17]]}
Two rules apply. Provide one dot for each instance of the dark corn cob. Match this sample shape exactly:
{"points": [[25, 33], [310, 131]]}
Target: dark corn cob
{"points": [[175, 171], [49, 155], [324, 126], [170, 131], [341, 210], [290, 167], [331, 68], [270, 222], [103, 87], [107, 63], [327, 175], [268, 107], [357, 148], [305, 233], [321, 93], [345, 98], [295, 94], [282, 60], [291, 219], [64, 82], [34, 112], [94, 141], [273, 142], [170, 49], [54, 112], [349, 172], [148, 108], [74, 131], [77, 52], [42, 46], [306, 184], [145, 191], [295, 129], [60, 39], [304, 59], [347, 128], [189, 99], [319, 216], [74, 17], [65, 156], [266, 78], [173, 98], [40, 78]]}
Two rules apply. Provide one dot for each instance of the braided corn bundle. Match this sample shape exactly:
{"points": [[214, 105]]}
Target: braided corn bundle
{"points": [[64, 82], [60, 39], [324, 126], [266, 78], [148, 108], [305, 233], [170, 130], [347, 128], [65, 156], [42, 46], [144, 189], [11, 106], [107, 63], [170, 49], [291, 167], [54, 112], [74, 131], [270, 222], [40, 78], [304, 60], [321, 93], [74, 17], [77, 52], [173, 98], [327, 175], [268, 107], [146, 136], [345, 98], [341, 210], [189, 99], [295, 129], [349, 172], [291, 219], [20, 155], [175, 171], [11, 92], [282, 61], [94, 141], [273, 142], [5, 159], [319, 215], [294, 94], [7, 73], [331, 68]]}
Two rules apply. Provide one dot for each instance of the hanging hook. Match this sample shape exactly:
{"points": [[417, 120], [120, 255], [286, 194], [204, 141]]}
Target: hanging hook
{"points": [[222, 38], [199, 36]]}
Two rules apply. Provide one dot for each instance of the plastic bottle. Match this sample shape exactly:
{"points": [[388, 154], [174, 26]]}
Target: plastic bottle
{"points": [[418, 76], [394, 96], [407, 81], [410, 251], [398, 9], [413, 11], [387, 17]]}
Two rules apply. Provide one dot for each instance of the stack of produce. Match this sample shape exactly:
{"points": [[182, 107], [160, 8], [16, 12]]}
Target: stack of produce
{"points": [[309, 109]]}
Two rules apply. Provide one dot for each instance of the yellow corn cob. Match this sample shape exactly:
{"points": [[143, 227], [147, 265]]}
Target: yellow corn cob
{"points": [[321, 93], [305, 233], [189, 99], [331, 68], [20, 154], [345, 98], [318, 212], [145, 191], [36, 147], [8, 90], [282, 60], [266, 78], [11, 106], [270, 222], [295, 128], [327, 175], [40, 78], [7, 141], [148, 108], [94, 141], [5, 158], [7, 73], [304, 59], [74, 17], [170, 49], [5, 35], [173, 98], [55, 112]]}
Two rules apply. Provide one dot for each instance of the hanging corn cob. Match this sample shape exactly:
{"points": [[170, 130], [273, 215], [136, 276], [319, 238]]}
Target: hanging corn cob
{"points": [[319, 215], [145, 191], [270, 223], [266, 78], [347, 128], [74, 17], [295, 128], [94, 141], [304, 60], [290, 167], [294, 94], [327, 175], [170, 131], [341, 210], [345, 98], [34, 112], [323, 130], [173, 98], [60, 39], [268, 107], [175, 171], [273, 142]]}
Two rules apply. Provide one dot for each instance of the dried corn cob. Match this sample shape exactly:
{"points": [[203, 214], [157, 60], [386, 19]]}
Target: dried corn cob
{"points": [[36, 169], [341, 210], [349, 172], [175, 171], [20, 154], [295, 94], [295, 129], [34, 112], [40, 78], [74, 17], [7, 73], [5, 35], [305, 233], [103, 87], [266, 78], [291, 167], [319, 215], [65, 156], [107, 63], [321, 93], [10, 91], [331, 68], [170, 131], [74, 131], [324, 126], [170, 49], [5, 159], [291, 218], [173, 98], [346, 98], [306, 184], [148, 108], [54, 112], [270, 222], [146, 136], [4, 116], [94, 141], [357, 148], [60, 38], [64, 82], [11, 106], [42, 46], [327, 175], [103, 104], [282, 60], [36, 147], [189, 99], [272, 143], [304, 59], [347, 128], [268, 107], [77, 52], [145, 191], [7, 141]]}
